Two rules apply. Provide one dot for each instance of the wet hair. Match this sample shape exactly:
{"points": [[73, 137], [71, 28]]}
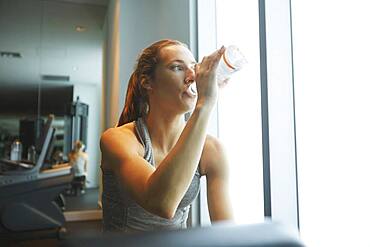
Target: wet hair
{"points": [[137, 100]]}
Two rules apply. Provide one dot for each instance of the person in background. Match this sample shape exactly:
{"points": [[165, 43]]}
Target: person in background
{"points": [[78, 160], [153, 159]]}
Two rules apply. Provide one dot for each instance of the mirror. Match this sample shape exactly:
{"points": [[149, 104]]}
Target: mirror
{"points": [[51, 54]]}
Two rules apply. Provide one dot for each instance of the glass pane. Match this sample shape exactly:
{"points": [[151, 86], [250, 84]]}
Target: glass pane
{"points": [[240, 109], [331, 51]]}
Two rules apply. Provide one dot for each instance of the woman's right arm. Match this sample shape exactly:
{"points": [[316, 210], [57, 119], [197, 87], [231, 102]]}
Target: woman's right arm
{"points": [[160, 190]]}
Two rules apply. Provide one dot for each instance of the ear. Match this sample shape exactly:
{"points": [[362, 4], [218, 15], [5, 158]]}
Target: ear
{"points": [[146, 83]]}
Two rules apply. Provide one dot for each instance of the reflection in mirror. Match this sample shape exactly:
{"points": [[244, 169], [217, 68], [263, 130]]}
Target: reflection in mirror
{"points": [[51, 54]]}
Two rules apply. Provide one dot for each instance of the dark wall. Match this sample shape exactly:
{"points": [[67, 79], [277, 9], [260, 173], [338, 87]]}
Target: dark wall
{"points": [[23, 100]]}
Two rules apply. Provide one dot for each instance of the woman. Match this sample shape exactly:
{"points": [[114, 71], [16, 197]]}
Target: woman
{"points": [[152, 161], [78, 160]]}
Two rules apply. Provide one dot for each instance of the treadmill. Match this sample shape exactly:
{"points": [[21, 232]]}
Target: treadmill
{"points": [[28, 192]]}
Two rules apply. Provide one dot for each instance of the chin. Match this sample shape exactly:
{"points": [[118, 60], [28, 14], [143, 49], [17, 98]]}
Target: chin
{"points": [[186, 107], [188, 103], [192, 107]]}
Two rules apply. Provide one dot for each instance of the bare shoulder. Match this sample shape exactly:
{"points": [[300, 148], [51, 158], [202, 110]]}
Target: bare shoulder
{"points": [[213, 143], [117, 134], [127, 128], [117, 142], [213, 155]]}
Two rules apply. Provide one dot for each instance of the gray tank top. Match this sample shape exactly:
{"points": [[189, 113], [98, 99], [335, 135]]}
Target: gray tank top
{"points": [[122, 213]]}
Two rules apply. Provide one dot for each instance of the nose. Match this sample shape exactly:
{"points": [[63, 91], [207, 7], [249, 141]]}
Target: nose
{"points": [[190, 74]]}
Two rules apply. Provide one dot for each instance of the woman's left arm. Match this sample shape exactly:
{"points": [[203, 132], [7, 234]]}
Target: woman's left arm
{"points": [[217, 173]]}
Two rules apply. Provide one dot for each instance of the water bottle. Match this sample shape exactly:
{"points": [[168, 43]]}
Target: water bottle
{"points": [[31, 154], [16, 150], [231, 61]]}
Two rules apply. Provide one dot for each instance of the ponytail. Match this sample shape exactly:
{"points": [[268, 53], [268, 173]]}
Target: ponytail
{"points": [[135, 102]]}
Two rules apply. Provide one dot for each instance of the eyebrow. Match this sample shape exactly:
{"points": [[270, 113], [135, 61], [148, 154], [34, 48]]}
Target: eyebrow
{"points": [[180, 61]]}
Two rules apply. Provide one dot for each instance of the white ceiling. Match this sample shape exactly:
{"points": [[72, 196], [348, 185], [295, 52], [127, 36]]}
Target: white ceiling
{"points": [[44, 33]]}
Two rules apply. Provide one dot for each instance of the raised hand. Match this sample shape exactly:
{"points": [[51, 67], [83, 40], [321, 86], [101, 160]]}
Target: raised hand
{"points": [[205, 77]]}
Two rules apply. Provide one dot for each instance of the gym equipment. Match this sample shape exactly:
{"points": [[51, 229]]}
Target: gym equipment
{"points": [[28, 191]]}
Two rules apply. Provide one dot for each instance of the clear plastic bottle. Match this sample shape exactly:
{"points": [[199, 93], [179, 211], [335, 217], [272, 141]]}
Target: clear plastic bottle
{"points": [[231, 61], [16, 150]]}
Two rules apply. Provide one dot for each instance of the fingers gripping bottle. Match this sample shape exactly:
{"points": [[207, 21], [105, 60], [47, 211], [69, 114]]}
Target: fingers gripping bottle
{"points": [[231, 61]]}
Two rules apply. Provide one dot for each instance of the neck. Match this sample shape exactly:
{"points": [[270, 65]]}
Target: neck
{"points": [[164, 129]]}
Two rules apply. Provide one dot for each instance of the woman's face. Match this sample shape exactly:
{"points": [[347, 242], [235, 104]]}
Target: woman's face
{"points": [[173, 75]]}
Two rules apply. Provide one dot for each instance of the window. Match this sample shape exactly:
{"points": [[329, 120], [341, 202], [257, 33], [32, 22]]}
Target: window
{"points": [[239, 109], [331, 59]]}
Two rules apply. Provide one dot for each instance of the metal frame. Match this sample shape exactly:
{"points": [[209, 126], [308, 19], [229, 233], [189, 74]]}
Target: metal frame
{"points": [[264, 111]]}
